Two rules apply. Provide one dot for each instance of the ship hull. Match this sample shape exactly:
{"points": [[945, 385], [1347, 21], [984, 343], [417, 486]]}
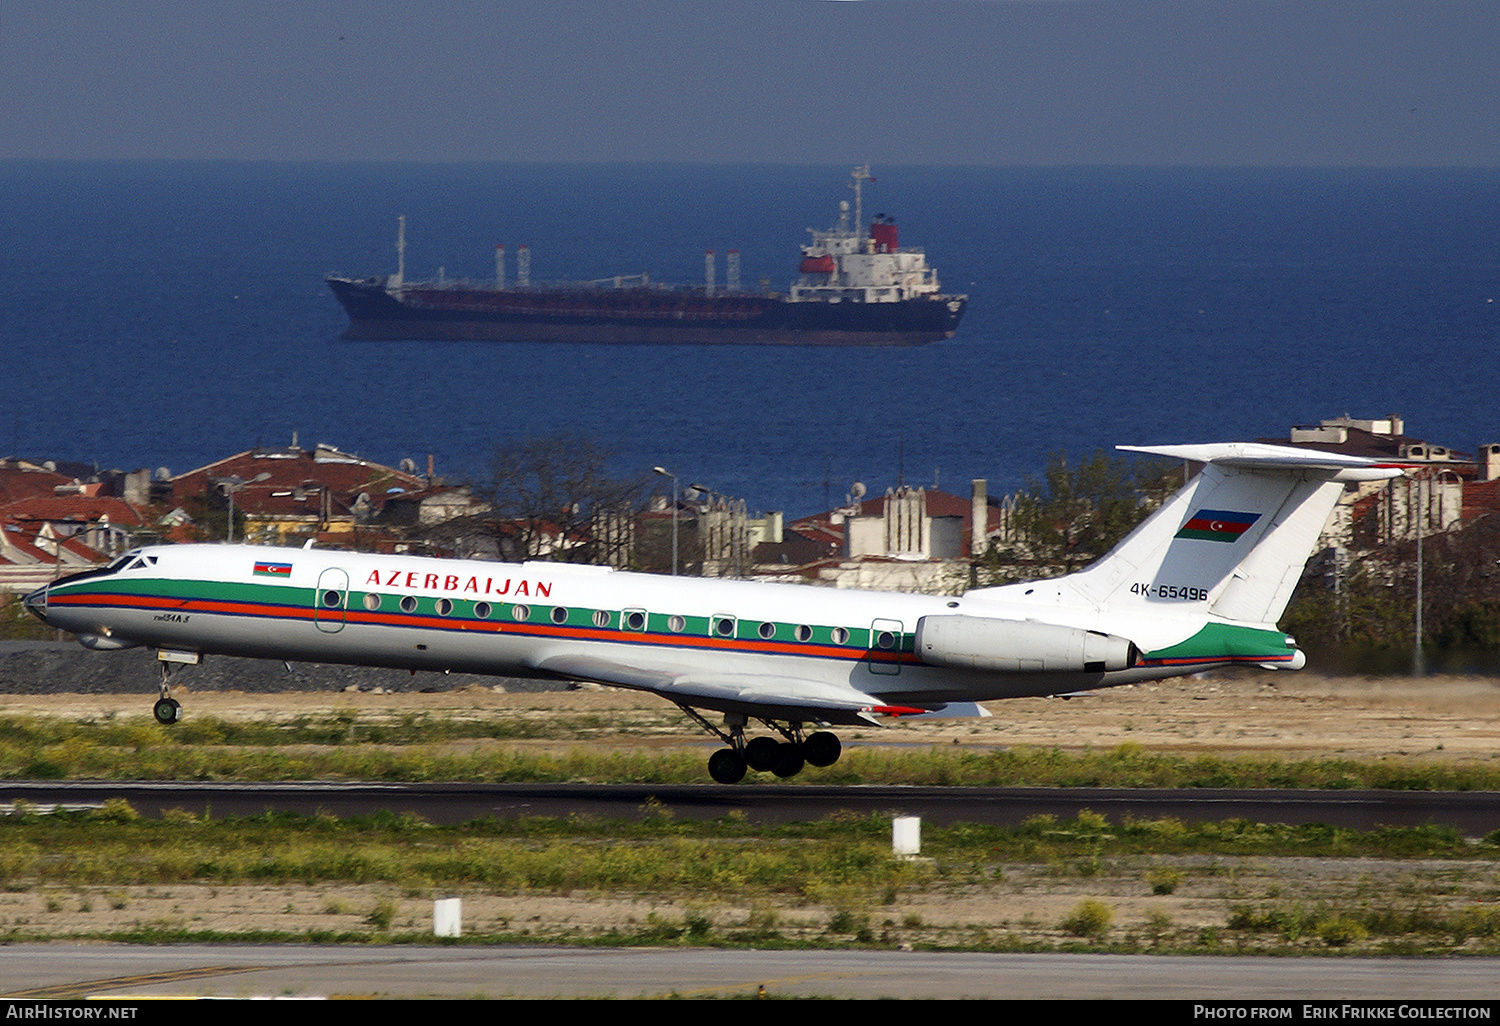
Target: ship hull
{"points": [[640, 316]]}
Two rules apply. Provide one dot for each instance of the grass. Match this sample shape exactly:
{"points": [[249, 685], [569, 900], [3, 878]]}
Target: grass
{"points": [[421, 747], [830, 883], [656, 854]]}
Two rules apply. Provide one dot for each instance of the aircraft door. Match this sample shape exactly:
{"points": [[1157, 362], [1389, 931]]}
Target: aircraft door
{"points": [[884, 655], [331, 600]]}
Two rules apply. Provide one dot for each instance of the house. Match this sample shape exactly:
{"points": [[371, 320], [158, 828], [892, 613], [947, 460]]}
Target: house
{"points": [[1447, 491], [285, 495], [909, 539], [45, 536]]}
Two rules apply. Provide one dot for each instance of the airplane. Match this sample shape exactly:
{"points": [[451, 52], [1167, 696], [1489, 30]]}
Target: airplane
{"points": [[1197, 585]]}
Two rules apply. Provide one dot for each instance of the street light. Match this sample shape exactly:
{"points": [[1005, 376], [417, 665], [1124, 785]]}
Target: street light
{"points": [[667, 473], [1418, 658], [231, 484]]}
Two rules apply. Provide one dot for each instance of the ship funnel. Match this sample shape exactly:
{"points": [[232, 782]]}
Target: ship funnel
{"points": [[708, 272], [499, 267]]}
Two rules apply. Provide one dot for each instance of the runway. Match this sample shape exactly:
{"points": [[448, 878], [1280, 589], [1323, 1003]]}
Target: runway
{"points": [[68, 971], [1474, 812]]}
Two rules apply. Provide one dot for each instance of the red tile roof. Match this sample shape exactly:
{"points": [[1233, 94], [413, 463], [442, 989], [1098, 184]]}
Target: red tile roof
{"points": [[297, 481], [81, 508], [18, 483]]}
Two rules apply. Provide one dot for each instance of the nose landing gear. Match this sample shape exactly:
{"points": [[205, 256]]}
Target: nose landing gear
{"points": [[167, 709]]}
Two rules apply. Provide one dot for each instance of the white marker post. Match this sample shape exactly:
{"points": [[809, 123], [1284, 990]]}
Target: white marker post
{"points": [[447, 917], [906, 835]]}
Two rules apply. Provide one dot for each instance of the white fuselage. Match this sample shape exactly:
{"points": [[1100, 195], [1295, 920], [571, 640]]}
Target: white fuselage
{"points": [[514, 619]]}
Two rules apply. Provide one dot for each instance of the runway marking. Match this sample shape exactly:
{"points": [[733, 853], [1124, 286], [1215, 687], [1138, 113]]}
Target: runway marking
{"points": [[81, 989], [765, 985]]}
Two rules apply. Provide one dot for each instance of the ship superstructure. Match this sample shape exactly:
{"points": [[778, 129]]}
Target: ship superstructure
{"points": [[845, 265]]}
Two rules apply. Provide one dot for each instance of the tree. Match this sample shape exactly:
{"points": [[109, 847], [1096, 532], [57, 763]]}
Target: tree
{"points": [[552, 498], [1077, 515], [1370, 604]]}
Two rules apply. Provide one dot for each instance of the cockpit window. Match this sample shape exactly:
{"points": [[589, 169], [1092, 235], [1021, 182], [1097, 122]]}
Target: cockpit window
{"points": [[135, 559]]}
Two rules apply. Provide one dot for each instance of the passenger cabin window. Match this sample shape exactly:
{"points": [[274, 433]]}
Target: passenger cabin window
{"points": [[372, 601]]}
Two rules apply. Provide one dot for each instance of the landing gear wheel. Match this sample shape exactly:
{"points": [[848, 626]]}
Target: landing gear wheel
{"points": [[822, 748], [762, 752], [726, 766], [167, 710], [789, 760]]}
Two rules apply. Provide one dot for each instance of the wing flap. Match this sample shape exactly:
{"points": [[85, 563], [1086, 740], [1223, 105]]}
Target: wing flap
{"points": [[755, 694]]}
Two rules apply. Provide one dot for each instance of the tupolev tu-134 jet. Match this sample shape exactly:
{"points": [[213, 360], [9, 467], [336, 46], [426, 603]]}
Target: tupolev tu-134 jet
{"points": [[1199, 584]]}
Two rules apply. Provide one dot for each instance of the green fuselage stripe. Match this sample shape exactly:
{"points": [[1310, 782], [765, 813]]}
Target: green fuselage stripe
{"points": [[283, 602]]}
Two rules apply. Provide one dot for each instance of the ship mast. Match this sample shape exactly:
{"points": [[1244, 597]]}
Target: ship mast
{"points": [[860, 175], [400, 250]]}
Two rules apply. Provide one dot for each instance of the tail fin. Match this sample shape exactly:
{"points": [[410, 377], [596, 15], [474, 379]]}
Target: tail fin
{"points": [[1236, 536]]}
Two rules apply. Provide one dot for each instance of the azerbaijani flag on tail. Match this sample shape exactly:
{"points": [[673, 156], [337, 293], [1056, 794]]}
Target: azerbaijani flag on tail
{"points": [[273, 569], [1218, 525]]}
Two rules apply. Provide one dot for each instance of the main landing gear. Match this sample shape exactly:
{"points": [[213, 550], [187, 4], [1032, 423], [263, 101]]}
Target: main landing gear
{"points": [[784, 758]]}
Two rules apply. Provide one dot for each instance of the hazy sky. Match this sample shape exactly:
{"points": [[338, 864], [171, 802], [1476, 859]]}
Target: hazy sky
{"points": [[1300, 82]]}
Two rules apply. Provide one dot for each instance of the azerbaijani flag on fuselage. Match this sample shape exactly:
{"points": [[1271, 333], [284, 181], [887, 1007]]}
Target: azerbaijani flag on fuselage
{"points": [[1218, 525], [273, 569]]}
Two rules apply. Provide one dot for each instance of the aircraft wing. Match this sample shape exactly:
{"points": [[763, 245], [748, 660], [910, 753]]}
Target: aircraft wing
{"points": [[762, 696]]}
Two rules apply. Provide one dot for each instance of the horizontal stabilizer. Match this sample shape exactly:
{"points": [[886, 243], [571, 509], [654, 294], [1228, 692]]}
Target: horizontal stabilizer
{"points": [[1260, 456]]}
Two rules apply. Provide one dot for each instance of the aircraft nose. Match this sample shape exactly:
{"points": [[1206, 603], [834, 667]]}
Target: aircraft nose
{"points": [[36, 603]]}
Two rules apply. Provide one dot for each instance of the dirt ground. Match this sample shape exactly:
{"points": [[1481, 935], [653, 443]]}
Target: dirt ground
{"points": [[1429, 720]]}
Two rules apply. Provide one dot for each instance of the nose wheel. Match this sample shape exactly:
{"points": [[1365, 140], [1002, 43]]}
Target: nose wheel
{"points": [[167, 710]]}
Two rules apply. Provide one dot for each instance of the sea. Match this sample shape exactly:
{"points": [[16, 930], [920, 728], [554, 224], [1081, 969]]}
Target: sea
{"points": [[166, 314]]}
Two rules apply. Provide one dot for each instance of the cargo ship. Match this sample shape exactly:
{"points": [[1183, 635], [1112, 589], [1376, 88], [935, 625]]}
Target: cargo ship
{"points": [[855, 288]]}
